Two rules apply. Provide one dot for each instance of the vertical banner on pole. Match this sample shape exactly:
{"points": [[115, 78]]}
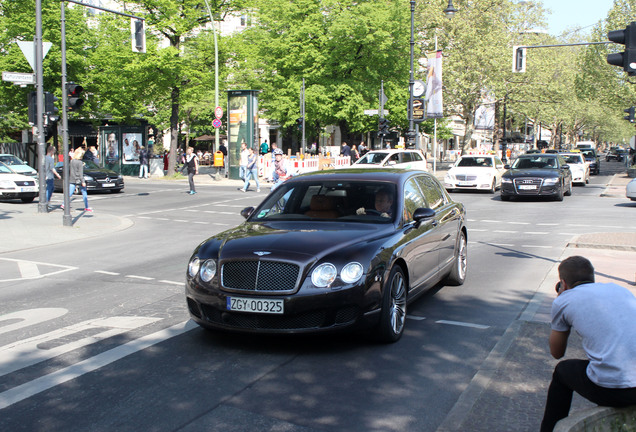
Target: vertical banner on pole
{"points": [[434, 107]]}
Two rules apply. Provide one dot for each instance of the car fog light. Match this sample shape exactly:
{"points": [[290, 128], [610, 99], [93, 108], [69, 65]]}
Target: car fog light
{"points": [[208, 270], [324, 275], [351, 273], [193, 267], [506, 180]]}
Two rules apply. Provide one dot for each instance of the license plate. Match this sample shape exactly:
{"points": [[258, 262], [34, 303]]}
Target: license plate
{"points": [[243, 304], [464, 183], [108, 184], [27, 189], [527, 187]]}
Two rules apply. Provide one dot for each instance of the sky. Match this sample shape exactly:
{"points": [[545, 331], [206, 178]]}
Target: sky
{"points": [[568, 14]]}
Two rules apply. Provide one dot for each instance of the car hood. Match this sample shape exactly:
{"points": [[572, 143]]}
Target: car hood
{"points": [[538, 172], [22, 169], [291, 241]]}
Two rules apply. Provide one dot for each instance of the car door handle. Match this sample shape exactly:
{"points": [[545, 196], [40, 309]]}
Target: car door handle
{"points": [[435, 222]]}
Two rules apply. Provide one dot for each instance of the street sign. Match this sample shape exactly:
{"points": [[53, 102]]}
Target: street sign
{"points": [[418, 110], [375, 112], [19, 77], [216, 123], [28, 49], [218, 113]]}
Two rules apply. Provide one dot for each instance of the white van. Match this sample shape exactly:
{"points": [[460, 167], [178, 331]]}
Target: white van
{"points": [[586, 145]]}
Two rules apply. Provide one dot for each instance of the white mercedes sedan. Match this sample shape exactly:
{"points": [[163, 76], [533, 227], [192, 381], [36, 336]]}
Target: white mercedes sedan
{"points": [[475, 172]]}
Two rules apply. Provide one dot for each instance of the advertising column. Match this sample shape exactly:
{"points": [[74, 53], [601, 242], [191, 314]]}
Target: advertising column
{"points": [[242, 114]]}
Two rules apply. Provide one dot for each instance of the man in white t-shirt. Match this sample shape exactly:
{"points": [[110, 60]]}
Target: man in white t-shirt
{"points": [[604, 315], [243, 162]]}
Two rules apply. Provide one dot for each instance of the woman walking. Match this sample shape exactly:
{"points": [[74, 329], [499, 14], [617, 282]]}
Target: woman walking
{"points": [[251, 170], [192, 162], [76, 179]]}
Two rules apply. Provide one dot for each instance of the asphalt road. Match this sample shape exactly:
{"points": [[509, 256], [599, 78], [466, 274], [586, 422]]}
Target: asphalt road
{"points": [[102, 342]]}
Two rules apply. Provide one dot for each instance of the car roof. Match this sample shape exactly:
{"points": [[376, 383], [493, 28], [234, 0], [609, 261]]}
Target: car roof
{"points": [[534, 155], [394, 151], [392, 175]]}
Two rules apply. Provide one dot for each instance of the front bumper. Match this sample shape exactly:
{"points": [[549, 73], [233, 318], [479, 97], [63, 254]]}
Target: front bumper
{"points": [[471, 184], [306, 311], [520, 189], [105, 185]]}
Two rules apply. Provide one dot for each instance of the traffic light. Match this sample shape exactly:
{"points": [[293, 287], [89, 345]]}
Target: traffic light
{"points": [[32, 104], [383, 127], [50, 110], [74, 100], [626, 59], [630, 114], [518, 59], [138, 35], [299, 123]]}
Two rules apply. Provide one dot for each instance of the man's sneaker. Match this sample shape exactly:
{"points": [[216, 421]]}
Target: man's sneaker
{"points": [[88, 209], [62, 206]]}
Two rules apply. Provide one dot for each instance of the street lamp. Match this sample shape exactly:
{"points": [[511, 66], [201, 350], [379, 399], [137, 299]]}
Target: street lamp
{"points": [[450, 9]]}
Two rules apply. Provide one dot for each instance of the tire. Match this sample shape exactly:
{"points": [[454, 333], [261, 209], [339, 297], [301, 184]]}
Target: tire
{"points": [[457, 275], [493, 187], [393, 314], [569, 191], [559, 195], [505, 198]]}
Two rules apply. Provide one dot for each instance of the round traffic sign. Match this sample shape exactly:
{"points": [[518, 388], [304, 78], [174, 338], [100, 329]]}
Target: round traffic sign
{"points": [[218, 112], [216, 123]]}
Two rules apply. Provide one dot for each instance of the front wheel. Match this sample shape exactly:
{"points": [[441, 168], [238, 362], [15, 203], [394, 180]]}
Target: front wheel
{"points": [[457, 275], [493, 186], [568, 192], [393, 314]]}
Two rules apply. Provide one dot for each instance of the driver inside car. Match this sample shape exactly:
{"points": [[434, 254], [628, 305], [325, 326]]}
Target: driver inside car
{"points": [[383, 204]]}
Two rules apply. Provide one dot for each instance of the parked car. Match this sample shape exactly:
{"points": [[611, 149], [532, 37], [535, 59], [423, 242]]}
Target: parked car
{"points": [[97, 179], [482, 172], [615, 153], [579, 168], [330, 250], [593, 159], [630, 190], [537, 175], [17, 186], [405, 159], [18, 165]]}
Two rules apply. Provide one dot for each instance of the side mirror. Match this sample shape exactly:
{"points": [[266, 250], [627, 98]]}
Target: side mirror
{"points": [[247, 212], [566, 166], [422, 214], [506, 166]]}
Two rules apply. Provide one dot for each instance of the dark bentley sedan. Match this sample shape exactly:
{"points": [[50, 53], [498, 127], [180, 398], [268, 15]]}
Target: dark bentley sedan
{"points": [[331, 250], [97, 179], [534, 175]]}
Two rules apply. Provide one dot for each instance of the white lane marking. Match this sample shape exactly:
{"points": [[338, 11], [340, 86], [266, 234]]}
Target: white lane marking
{"points": [[500, 244], [536, 246], [519, 223], [537, 232], [578, 225], [46, 382], [219, 212], [478, 230], [506, 232], [491, 221], [463, 324], [416, 318], [31, 273], [29, 270], [107, 272], [26, 352], [140, 277], [547, 224], [172, 282], [202, 223], [567, 234], [30, 317], [611, 226], [180, 220]]}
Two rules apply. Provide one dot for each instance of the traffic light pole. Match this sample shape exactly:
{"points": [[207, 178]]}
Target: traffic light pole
{"points": [[411, 132], [42, 204], [67, 221]]}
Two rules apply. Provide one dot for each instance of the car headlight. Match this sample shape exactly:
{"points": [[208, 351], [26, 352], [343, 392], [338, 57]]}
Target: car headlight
{"points": [[7, 184], [351, 273], [324, 275], [193, 266], [449, 177], [208, 270], [88, 178], [506, 180], [551, 181]]}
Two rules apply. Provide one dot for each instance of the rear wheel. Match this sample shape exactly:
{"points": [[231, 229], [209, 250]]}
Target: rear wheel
{"points": [[568, 191], [393, 314], [493, 187], [457, 275]]}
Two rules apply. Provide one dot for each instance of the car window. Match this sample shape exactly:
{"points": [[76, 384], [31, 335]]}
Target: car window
{"points": [[406, 157], [373, 158], [434, 196], [395, 157], [533, 162], [413, 199], [416, 157], [355, 201], [11, 160], [572, 159]]}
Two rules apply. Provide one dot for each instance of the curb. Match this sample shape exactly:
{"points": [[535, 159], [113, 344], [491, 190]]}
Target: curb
{"points": [[599, 419]]}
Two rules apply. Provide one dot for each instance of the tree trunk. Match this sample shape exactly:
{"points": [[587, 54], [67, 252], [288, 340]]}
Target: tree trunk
{"points": [[470, 128], [174, 130]]}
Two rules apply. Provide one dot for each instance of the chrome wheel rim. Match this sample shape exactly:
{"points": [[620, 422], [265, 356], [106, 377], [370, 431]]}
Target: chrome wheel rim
{"points": [[398, 303], [462, 258]]}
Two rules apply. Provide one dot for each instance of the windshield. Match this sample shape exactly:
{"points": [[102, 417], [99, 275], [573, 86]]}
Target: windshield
{"points": [[474, 162], [572, 159], [534, 162], [589, 154], [4, 169], [11, 160], [372, 158], [87, 164], [355, 201]]}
